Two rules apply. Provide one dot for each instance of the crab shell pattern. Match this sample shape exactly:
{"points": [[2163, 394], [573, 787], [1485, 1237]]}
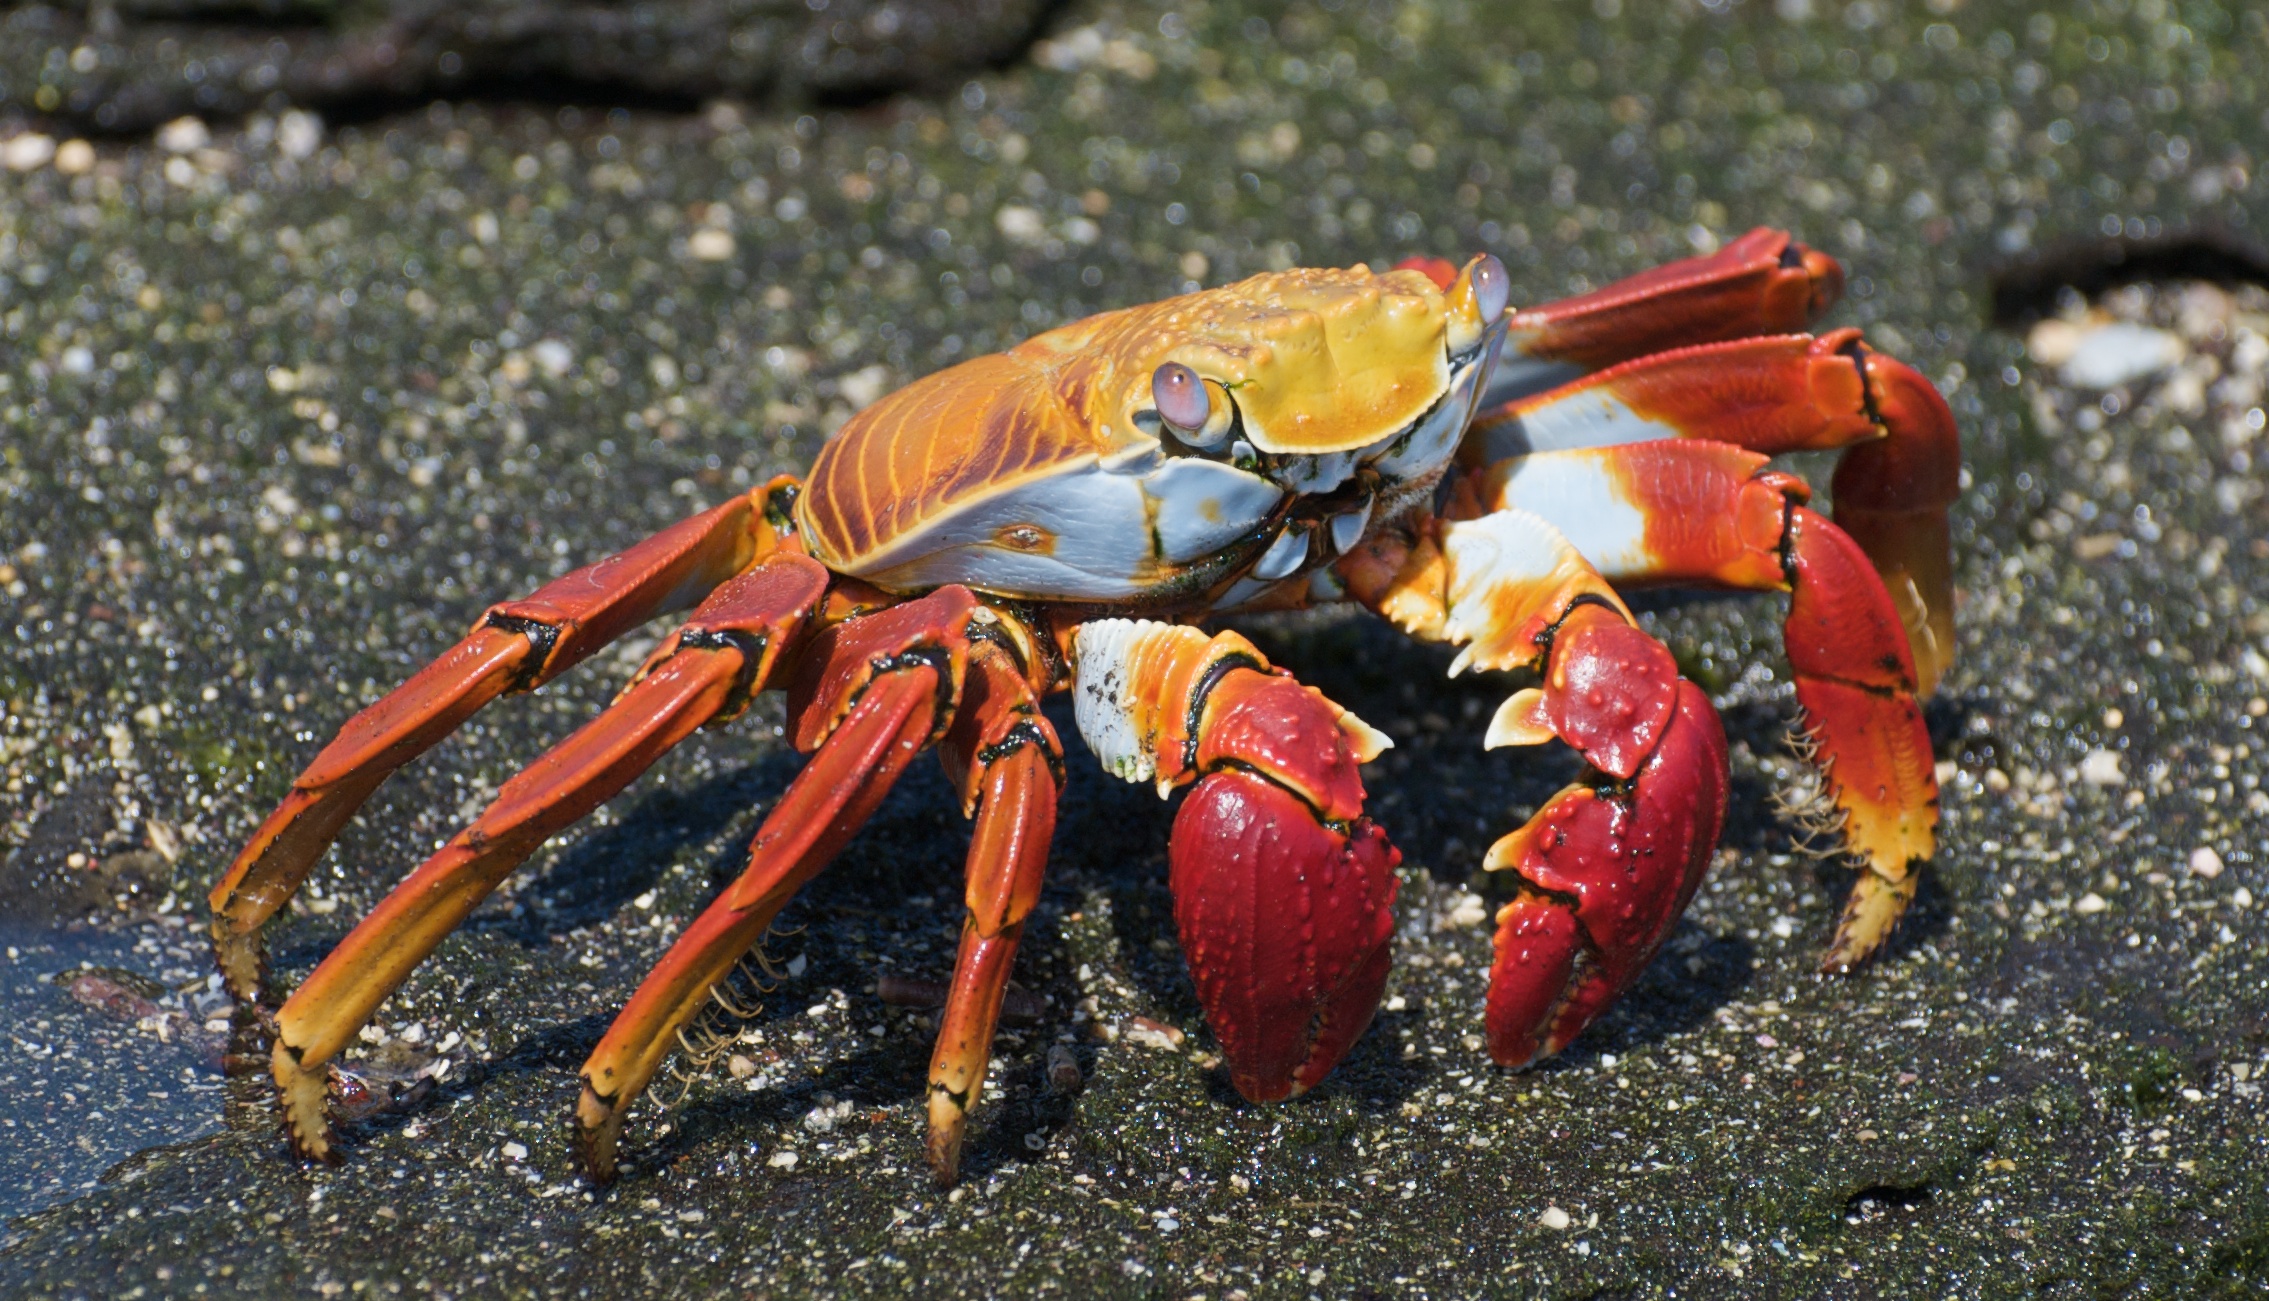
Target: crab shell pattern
{"points": [[1060, 516]]}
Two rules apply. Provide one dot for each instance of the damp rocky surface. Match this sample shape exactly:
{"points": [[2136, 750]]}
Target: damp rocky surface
{"points": [[286, 404]]}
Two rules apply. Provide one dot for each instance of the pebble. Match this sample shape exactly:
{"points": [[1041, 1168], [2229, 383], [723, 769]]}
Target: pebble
{"points": [[2102, 768], [2205, 862], [26, 152], [2091, 902], [1554, 1219], [711, 245], [2108, 355], [1063, 1069], [1468, 912], [184, 135], [1152, 1034]]}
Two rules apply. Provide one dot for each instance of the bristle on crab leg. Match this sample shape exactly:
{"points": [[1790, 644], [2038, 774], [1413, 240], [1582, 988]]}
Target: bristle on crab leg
{"points": [[704, 674], [1707, 514], [517, 646], [869, 696]]}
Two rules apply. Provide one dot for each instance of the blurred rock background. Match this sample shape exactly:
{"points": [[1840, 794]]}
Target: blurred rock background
{"points": [[123, 66]]}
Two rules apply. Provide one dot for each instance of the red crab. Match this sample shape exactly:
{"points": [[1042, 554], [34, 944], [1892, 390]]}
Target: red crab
{"points": [[1060, 517]]}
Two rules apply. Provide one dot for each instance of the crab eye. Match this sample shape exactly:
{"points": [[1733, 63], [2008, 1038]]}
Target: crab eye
{"points": [[1492, 288], [1180, 396]]}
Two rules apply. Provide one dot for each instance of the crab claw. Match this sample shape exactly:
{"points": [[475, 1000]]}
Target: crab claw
{"points": [[1285, 922], [1283, 891], [1607, 866]]}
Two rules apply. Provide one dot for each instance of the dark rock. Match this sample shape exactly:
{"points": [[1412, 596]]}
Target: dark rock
{"points": [[128, 67], [111, 875]]}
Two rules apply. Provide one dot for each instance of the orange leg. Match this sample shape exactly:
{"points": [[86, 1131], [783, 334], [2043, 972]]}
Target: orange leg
{"points": [[1702, 513], [517, 646], [1009, 766], [1781, 394], [705, 674], [868, 696]]}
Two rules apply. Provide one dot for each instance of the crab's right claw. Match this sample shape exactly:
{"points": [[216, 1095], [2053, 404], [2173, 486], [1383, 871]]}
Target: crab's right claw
{"points": [[1606, 868], [1283, 890]]}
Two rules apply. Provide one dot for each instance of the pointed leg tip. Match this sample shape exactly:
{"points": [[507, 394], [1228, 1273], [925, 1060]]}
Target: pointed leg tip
{"points": [[945, 1159], [303, 1103], [242, 961], [597, 1127], [949, 1121], [1870, 916]]}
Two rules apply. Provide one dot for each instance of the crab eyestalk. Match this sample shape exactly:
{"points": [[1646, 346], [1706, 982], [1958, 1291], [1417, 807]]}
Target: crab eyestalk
{"points": [[1477, 300], [1188, 407]]}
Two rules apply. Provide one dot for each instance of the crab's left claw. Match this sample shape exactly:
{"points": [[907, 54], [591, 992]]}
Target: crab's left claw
{"points": [[1606, 868]]}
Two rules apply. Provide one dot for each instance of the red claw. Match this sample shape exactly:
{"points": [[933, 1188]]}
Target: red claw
{"points": [[1605, 872], [1285, 922]]}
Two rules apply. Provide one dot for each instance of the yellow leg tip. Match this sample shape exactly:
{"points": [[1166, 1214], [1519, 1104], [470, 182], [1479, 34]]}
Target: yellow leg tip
{"points": [[1870, 914], [948, 1122], [243, 965], [598, 1126], [303, 1097]]}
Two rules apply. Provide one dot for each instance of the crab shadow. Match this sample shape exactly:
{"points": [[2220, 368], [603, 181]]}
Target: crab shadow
{"points": [[896, 890]]}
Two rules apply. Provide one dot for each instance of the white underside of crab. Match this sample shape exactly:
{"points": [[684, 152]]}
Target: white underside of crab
{"points": [[1578, 491]]}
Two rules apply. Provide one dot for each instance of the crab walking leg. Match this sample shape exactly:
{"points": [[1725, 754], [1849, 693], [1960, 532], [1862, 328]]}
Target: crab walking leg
{"points": [[517, 646], [1709, 514], [1608, 865], [1283, 891], [1762, 283], [1786, 394], [868, 696], [1009, 766], [706, 673]]}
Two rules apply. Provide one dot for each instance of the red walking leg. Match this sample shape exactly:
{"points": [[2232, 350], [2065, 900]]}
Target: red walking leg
{"points": [[1761, 283], [705, 674], [1009, 766], [1786, 394], [517, 646], [868, 696]]}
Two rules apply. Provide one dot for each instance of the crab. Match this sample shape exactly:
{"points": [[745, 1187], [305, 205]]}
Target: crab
{"points": [[1075, 513]]}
